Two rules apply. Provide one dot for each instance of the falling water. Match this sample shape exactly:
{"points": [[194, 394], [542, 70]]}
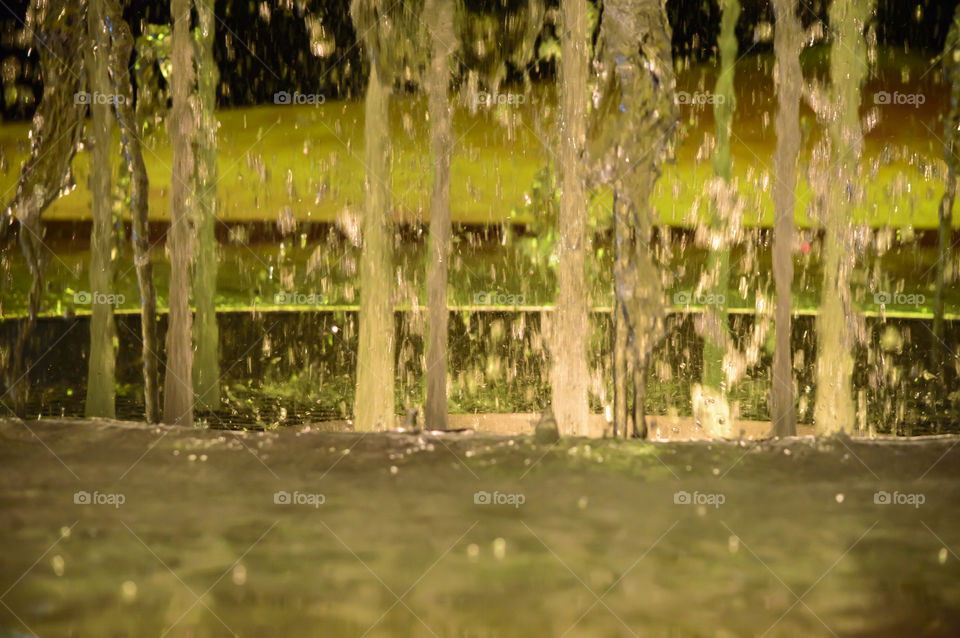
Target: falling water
{"points": [[206, 366], [439, 14], [634, 120], [178, 383], [55, 136], [711, 407], [571, 324], [101, 380], [787, 45], [374, 405], [837, 321], [131, 130], [951, 132]]}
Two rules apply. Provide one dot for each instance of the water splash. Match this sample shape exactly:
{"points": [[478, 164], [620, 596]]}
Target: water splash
{"points": [[837, 182], [55, 136], [631, 133]]}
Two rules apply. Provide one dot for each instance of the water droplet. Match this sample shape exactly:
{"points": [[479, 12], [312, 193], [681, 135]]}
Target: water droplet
{"points": [[58, 565], [128, 591], [733, 544], [499, 548], [239, 575]]}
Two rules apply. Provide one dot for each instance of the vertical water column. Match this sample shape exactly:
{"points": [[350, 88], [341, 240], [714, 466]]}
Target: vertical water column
{"points": [[58, 33], [951, 71], [788, 77], [101, 381], [130, 133], [374, 403], [178, 382], [834, 411], [206, 363], [439, 15], [569, 374], [632, 127], [725, 104]]}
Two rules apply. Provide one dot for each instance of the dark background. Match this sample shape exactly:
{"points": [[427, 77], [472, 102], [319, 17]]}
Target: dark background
{"points": [[257, 58]]}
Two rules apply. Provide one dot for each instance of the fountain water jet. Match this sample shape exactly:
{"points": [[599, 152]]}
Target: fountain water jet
{"points": [[206, 337], [712, 408], [385, 38], [788, 77], [840, 110], [101, 378], [951, 123], [571, 325], [130, 133], [631, 133], [439, 14], [56, 131], [178, 397]]}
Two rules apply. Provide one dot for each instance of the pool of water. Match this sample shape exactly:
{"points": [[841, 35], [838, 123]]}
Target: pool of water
{"points": [[190, 533]]}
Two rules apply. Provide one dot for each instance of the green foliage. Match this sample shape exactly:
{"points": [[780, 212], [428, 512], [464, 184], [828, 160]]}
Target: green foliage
{"points": [[395, 37], [498, 34], [152, 66], [544, 203], [549, 50]]}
